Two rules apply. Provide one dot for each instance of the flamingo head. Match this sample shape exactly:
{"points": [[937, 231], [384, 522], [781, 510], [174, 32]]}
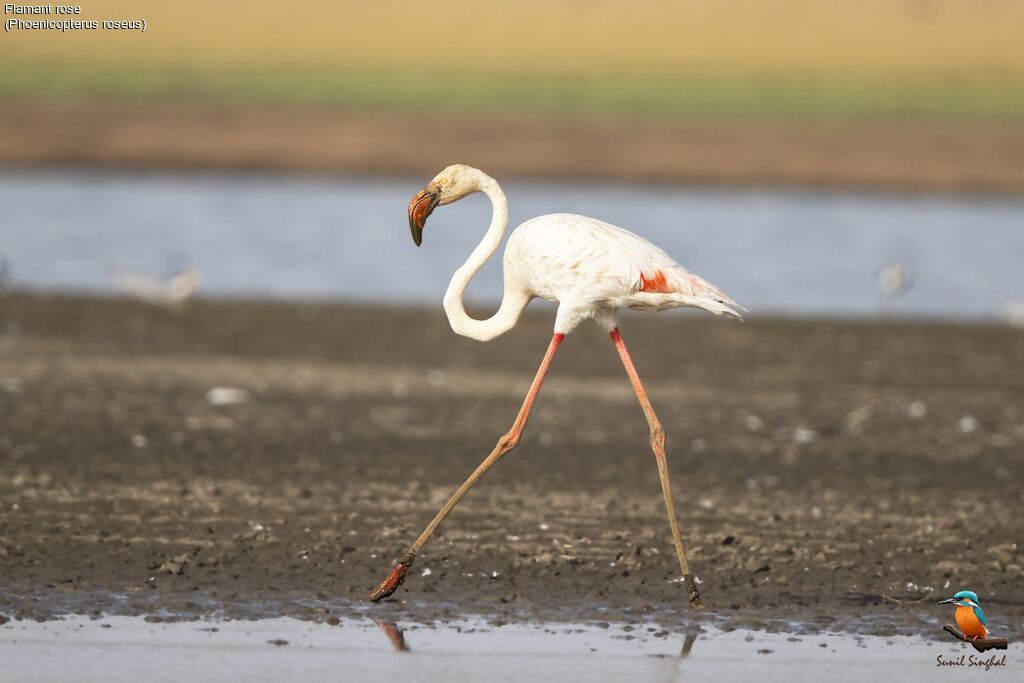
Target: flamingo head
{"points": [[450, 185]]}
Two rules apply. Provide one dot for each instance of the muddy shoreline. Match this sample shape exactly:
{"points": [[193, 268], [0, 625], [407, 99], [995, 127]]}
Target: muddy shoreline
{"points": [[841, 475], [878, 156]]}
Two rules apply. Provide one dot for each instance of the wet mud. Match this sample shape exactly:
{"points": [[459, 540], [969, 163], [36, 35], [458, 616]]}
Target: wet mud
{"points": [[274, 459]]}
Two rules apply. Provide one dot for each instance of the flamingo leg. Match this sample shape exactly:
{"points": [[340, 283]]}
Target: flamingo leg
{"points": [[507, 442], [658, 446]]}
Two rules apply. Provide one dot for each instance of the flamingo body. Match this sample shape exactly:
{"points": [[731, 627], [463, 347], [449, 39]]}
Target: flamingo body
{"points": [[591, 270]]}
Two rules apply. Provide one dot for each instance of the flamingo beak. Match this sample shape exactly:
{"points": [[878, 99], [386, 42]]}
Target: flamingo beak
{"points": [[419, 208]]}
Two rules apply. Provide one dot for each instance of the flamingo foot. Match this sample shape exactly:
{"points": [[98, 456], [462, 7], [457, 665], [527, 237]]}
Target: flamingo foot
{"points": [[691, 592], [391, 584]]}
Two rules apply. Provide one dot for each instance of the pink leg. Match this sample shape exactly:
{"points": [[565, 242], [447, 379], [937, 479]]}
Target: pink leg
{"points": [[658, 446], [506, 443]]}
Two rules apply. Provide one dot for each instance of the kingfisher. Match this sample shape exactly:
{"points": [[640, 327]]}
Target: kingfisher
{"points": [[969, 616]]}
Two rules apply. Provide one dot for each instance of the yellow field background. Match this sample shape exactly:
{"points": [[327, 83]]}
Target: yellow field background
{"points": [[949, 50], [906, 36]]}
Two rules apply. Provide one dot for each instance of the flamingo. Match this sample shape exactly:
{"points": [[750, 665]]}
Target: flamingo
{"points": [[591, 270]]}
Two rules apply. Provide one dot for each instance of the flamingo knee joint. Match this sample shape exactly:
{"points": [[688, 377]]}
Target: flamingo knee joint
{"points": [[508, 441], [658, 437]]}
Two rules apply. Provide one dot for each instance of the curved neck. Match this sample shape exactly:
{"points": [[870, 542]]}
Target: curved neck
{"points": [[512, 302]]}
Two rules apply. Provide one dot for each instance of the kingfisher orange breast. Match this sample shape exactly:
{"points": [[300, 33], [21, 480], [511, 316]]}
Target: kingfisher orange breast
{"points": [[968, 622]]}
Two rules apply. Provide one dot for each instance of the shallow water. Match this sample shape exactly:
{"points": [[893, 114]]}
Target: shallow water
{"points": [[130, 649], [774, 251]]}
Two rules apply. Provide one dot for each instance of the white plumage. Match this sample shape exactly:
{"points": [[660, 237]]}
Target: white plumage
{"points": [[586, 263], [590, 268]]}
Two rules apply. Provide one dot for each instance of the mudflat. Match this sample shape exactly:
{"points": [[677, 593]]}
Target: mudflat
{"points": [[877, 155], [274, 459]]}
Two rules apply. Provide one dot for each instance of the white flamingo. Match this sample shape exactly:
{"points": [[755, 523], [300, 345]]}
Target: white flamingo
{"points": [[592, 270]]}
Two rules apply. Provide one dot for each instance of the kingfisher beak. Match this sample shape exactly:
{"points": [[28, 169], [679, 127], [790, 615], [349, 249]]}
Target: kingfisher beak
{"points": [[419, 208], [947, 601]]}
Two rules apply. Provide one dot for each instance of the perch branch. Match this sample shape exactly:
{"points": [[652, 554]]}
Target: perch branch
{"points": [[981, 644]]}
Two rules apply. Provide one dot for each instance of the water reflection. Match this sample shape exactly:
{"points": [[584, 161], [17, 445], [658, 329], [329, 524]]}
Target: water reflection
{"points": [[395, 635], [691, 638]]}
